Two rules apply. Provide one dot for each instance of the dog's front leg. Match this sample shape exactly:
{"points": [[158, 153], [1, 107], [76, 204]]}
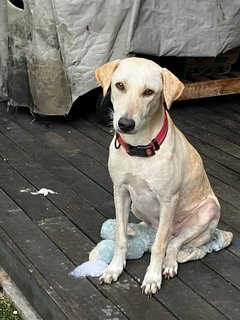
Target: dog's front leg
{"points": [[153, 277], [122, 202]]}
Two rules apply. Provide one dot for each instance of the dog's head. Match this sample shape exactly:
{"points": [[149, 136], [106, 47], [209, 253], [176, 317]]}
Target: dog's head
{"points": [[138, 88]]}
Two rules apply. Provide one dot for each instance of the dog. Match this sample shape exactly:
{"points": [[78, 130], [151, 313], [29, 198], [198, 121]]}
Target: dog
{"points": [[156, 172]]}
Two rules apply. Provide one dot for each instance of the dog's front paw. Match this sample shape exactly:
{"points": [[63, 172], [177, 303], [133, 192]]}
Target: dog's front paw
{"points": [[152, 282], [170, 268], [111, 274]]}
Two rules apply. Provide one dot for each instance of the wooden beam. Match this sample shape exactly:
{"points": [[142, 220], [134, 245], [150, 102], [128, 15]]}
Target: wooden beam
{"points": [[210, 88]]}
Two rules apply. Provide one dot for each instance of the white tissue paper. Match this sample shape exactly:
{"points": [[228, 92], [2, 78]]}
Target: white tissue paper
{"points": [[44, 192], [91, 268]]}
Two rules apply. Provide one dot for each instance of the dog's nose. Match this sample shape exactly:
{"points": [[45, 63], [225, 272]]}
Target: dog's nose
{"points": [[126, 125]]}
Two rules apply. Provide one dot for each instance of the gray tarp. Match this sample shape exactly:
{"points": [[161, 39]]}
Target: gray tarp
{"points": [[49, 50]]}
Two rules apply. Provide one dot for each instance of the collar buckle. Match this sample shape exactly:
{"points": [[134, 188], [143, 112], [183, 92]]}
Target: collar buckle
{"points": [[140, 151]]}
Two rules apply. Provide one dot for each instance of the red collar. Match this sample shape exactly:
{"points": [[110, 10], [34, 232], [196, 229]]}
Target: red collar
{"points": [[147, 150]]}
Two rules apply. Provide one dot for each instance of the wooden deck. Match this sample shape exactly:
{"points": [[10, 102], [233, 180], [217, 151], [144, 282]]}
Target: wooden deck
{"points": [[43, 238]]}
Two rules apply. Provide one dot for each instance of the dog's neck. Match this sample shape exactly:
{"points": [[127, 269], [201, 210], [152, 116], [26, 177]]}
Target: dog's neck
{"points": [[148, 131]]}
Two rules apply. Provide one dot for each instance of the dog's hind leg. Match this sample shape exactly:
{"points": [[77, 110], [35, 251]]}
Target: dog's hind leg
{"points": [[221, 240], [190, 253], [196, 231]]}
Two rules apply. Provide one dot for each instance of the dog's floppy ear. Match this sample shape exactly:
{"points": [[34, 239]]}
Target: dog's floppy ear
{"points": [[172, 87], [104, 74]]}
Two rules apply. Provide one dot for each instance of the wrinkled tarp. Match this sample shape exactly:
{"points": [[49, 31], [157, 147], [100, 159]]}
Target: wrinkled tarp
{"points": [[49, 50]]}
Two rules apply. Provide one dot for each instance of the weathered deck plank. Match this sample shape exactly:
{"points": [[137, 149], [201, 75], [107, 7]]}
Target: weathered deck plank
{"points": [[59, 229], [56, 164], [52, 263], [70, 156]]}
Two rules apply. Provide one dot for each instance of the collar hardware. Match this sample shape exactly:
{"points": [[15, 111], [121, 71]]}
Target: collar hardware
{"points": [[155, 144]]}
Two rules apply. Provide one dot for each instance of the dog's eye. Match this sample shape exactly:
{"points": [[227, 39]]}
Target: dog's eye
{"points": [[120, 86], [148, 92]]}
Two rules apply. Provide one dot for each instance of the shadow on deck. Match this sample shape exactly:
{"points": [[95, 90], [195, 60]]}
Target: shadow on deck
{"points": [[43, 238]]}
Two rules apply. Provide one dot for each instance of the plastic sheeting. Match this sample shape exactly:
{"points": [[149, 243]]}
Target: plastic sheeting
{"points": [[186, 28], [49, 50]]}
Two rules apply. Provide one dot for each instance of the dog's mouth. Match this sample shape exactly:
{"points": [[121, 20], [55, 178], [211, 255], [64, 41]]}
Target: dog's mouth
{"points": [[131, 132], [125, 132]]}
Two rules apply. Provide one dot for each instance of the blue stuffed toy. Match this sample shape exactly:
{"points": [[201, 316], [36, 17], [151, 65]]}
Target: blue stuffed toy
{"points": [[140, 240]]}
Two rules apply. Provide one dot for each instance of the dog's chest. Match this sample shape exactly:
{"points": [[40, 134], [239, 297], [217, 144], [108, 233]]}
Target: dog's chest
{"points": [[142, 190], [145, 198], [148, 180], [140, 184]]}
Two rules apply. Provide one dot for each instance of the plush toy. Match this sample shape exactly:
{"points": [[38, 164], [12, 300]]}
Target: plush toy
{"points": [[140, 240]]}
